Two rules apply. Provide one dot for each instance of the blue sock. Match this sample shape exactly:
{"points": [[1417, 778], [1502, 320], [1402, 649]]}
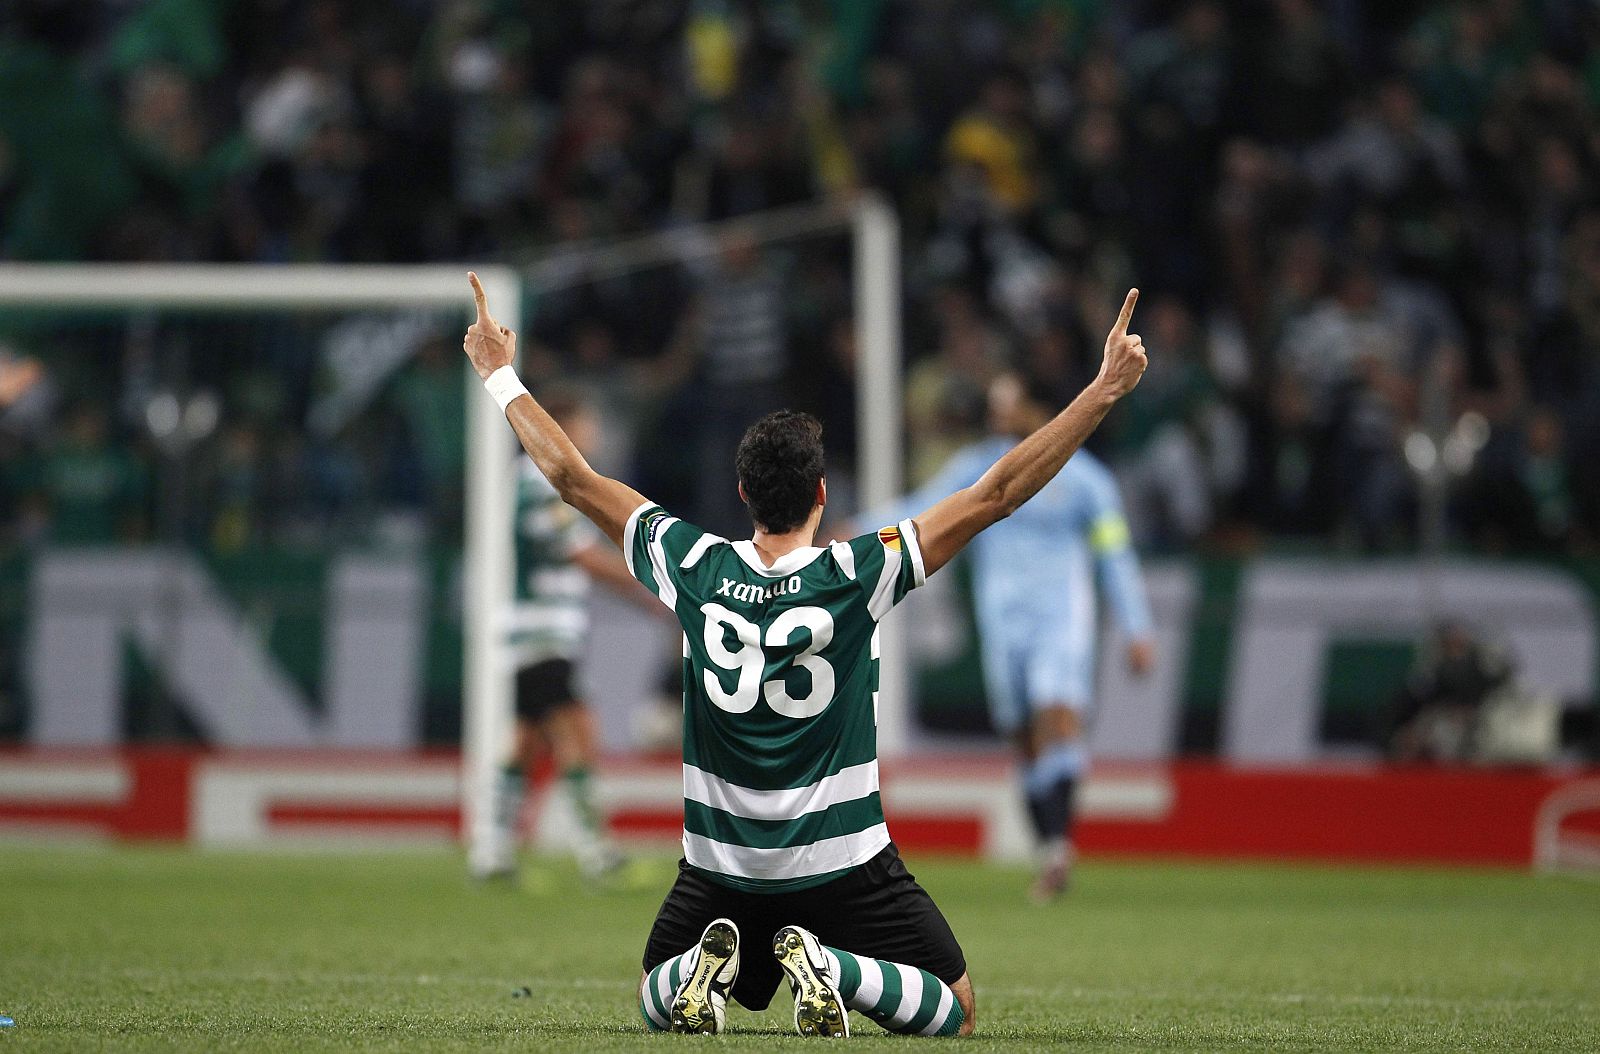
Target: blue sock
{"points": [[1049, 783], [1059, 761]]}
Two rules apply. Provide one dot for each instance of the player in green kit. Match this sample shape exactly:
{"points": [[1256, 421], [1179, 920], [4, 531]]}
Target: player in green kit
{"points": [[558, 554], [784, 836]]}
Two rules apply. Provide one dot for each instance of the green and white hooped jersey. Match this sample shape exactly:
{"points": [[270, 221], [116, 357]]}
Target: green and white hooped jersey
{"points": [[549, 616], [780, 686]]}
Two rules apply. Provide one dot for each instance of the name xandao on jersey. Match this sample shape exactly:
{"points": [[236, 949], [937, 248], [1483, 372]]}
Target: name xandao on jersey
{"points": [[745, 593]]}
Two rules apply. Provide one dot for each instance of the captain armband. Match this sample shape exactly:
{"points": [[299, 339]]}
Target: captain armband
{"points": [[1109, 533]]}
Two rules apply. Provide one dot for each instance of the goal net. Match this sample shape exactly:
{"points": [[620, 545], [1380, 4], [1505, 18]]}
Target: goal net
{"points": [[238, 494], [682, 339], [260, 477]]}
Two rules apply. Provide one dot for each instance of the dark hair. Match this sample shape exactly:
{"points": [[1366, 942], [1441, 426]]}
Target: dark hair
{"points": [[780, 464]]}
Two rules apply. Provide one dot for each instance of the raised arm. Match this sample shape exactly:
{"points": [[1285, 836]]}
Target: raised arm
{"points": [[492, 348], [946, 528]]}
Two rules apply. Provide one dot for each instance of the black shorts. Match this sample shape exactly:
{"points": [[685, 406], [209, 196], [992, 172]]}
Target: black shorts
{"points": [[543, 687], [877, 910]]}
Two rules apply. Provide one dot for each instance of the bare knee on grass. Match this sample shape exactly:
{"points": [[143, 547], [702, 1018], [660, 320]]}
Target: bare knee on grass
{"points": [[969, 1007]]}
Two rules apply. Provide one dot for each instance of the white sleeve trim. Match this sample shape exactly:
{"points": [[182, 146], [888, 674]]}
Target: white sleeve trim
{"points": [[701, 546], [881, 599], [630, 527], [908, 532], [666, 588], [845, 557]]}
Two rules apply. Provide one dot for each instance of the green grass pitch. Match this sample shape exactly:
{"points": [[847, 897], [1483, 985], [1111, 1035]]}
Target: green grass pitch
{"points": [[166, 949]]}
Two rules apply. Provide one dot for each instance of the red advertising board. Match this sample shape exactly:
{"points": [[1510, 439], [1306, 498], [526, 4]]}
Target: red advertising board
{"points": [[1355, 813]]}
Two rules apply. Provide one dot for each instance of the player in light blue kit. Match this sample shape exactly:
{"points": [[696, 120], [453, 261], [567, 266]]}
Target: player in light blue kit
{"points": [[1034, 585]]}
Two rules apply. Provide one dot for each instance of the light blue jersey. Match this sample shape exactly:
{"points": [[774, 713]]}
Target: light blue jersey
{"points": [[1033, 579]]}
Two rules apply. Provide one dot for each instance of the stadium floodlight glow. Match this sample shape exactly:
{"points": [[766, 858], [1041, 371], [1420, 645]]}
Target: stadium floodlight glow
{"points": [[489, 558]]}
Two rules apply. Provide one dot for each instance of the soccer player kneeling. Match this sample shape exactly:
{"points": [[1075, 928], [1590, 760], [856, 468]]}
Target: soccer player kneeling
{"points": [[784, 835]]}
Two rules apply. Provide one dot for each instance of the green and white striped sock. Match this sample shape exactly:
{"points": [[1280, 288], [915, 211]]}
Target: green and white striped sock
{"points": [[510, 789], [581, 787], [901, 998], [655, 995]]}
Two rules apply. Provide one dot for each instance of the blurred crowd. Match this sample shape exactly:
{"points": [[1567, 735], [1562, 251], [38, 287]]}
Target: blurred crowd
{"points": [[1367, 233]]}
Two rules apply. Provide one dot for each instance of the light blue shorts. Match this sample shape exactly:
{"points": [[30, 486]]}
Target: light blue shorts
{"points": [[1029, 665]]}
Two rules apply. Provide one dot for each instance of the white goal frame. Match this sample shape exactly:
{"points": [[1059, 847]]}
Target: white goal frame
{"points": [[489, 554], [246, 287]]}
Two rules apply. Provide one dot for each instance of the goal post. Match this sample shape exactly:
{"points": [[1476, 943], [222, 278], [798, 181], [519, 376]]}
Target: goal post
{"points": [[880, 424], [244, 287]]}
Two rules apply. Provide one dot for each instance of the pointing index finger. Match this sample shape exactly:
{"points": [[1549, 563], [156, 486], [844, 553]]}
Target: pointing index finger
{"points": [[1127, 311], [478, 296]]}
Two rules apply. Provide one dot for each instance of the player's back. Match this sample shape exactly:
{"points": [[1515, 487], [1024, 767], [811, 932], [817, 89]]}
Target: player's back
{"points": [[780, 695]]}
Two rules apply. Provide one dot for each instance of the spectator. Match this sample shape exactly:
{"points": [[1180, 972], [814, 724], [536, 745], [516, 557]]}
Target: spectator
{"points": [[1436, 712], [1187, 64], [1522, 496], [233, 490], [736, 348], [91, 491], [428, 399], [1038, 152], [997, 139], [945, 394], [1161, 435], [1349, 357], [1297, 75], [1389, 151]]}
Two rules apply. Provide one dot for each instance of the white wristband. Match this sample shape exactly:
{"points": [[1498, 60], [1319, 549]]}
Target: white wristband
{"points": [[505, 386]]}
